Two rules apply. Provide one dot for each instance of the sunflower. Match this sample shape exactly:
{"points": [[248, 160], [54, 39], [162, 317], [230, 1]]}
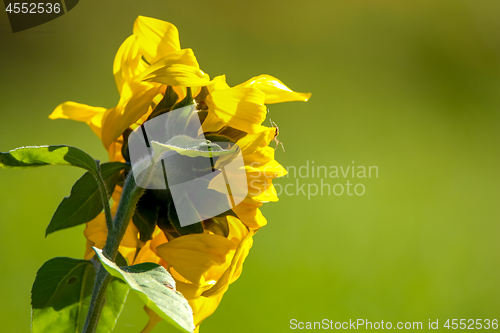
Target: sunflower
{"points": [[154, 76]]}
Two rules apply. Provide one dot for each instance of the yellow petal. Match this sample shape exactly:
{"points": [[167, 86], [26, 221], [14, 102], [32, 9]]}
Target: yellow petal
{"points": [[234, 270], [275, 90], [96, 233], [212, 123], [218, 83], [153, 320], [250, 215], [146, 255], [269, 170], [115, 152], [237, 230], [261, 189], [156, 38], [131, 237], [128, 253], [241, 108], [253, 142], [189, 290], [178, 68], [80, 112], [127, 66], [193, 255], [203, 307], [118, 119]]}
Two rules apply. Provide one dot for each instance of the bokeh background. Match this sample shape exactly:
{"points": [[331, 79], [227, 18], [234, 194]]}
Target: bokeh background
{"points": [[412, 87]]}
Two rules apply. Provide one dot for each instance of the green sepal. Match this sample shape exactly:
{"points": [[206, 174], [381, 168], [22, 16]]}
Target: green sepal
{"points": [[166, 104], [201, 97], [229, 132], [61, 296], [124, 150], [85, 203], [165, 225], [156, 287], [145, 218], [182, 121], [217, 225], [229, 212], [195, 228], [120, 260], [188, 100], [47, 155]]}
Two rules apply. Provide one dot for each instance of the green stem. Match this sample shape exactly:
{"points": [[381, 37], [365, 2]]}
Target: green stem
{"points": [[130, 196], [102, 279], [126, 208]]}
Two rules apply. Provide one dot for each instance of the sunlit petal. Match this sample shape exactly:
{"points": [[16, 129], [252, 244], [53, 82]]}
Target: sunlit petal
{"points": [[275, 90], [156, 38], [179, 68], [241, 108]]}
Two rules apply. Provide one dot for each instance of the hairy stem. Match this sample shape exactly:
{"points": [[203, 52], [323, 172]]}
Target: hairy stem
{"points": [[130, 196], [126, 208], [98, 299]]}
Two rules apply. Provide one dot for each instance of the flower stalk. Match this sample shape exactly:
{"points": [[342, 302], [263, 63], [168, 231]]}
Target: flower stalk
{"points": [[131, 195]]}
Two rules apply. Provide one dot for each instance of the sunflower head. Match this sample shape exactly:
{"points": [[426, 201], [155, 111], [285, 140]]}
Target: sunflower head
{"points": [[203, 154]]}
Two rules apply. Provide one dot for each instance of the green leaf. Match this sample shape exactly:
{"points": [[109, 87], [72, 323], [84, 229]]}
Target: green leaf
{"points": [[61, 295], [85, 203], [156, 287], [47, 155], [187, 146]]}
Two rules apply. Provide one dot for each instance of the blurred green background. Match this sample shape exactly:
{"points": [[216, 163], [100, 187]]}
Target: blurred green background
{"points": [[412, 87]]}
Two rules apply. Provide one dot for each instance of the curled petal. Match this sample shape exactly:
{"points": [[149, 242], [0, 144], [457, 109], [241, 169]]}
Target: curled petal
{"points": [[156, 38], [127, 112], [241, 108], [203, 307], [275, 90], [250, 215], [234, 270], [178, 68], [218, 83], [127, 66], [254, 142]]}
